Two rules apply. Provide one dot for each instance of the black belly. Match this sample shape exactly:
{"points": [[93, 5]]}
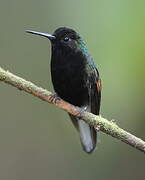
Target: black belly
{"points": [[71, 86]]}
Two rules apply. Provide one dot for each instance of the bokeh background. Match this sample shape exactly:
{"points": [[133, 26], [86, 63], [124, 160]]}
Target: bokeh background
{"points": [[37, 140]]}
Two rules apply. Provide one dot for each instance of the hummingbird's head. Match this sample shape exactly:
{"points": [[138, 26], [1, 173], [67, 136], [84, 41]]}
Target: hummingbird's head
{"points": [[65, 39]]}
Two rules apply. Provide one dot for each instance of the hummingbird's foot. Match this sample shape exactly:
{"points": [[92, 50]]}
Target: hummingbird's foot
{"points": [[54, 98]]}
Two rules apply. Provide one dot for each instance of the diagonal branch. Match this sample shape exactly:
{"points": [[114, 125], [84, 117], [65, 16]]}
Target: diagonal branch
{"points": [[98, 122]]}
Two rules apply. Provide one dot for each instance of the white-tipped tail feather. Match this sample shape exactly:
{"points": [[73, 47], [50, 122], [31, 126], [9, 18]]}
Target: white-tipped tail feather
{"points": [[86, 136]]}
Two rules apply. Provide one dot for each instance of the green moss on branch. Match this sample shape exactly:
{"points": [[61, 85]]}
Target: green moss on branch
{"points": [[98, 122]]}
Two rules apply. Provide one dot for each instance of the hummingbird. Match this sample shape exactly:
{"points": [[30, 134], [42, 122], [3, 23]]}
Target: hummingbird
{"points": [[75, 78]]}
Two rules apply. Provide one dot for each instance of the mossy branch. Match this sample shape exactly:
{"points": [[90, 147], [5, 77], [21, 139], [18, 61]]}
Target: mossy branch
{"points": [[98, 122]]}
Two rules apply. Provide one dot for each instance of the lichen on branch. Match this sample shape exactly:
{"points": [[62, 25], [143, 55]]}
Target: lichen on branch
{"points": [[98, 122]]}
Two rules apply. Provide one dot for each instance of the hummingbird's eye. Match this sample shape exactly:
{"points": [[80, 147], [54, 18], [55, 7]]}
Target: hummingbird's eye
{"points": [[66, 39]]}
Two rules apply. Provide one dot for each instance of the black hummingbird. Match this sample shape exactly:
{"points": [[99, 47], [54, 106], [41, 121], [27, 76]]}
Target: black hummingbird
{"points": [[75, 78]]}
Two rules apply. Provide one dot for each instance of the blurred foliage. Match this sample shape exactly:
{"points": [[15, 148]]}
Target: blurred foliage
{"points": [[37, 140]]}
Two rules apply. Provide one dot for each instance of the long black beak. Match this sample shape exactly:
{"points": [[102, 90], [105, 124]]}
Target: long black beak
{"points": [[49, 36]]}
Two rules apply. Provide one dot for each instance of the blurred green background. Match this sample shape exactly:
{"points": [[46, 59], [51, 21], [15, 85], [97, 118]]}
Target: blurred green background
{"points": [[37, 140]]}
